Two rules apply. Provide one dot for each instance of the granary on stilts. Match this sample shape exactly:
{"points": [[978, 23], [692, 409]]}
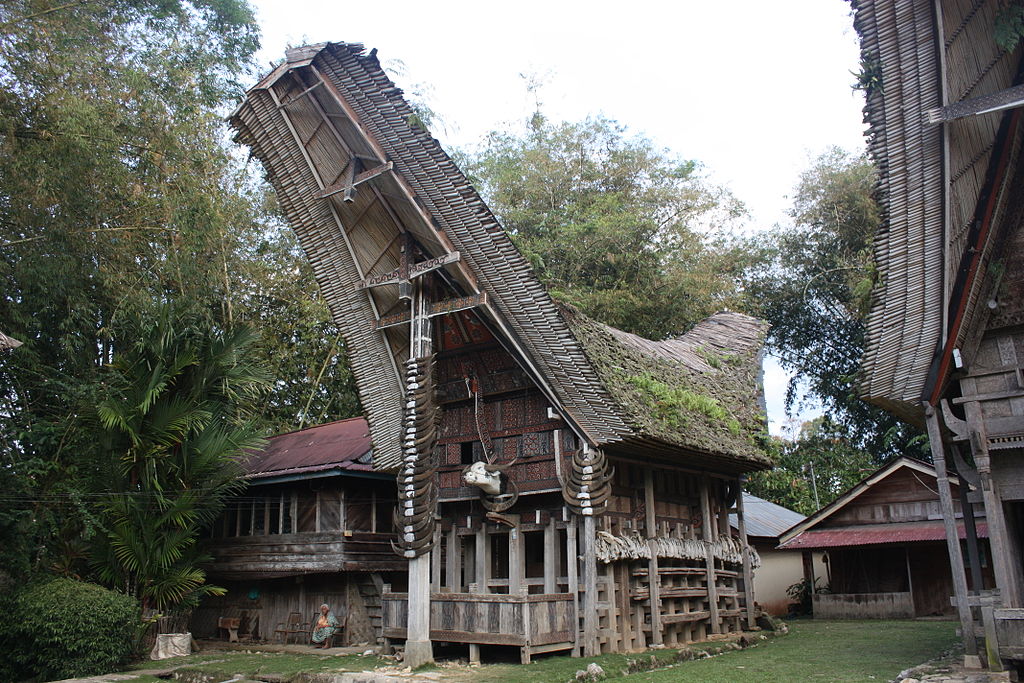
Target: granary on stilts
{"points": [[945, 336], [562, 485]]}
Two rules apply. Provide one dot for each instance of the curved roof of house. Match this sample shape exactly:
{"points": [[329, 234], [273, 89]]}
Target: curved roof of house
{"points": [[329, 118], [936, 169]]}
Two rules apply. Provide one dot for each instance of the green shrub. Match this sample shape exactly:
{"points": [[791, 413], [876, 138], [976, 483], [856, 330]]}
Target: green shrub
{"points": [[61, 628]]}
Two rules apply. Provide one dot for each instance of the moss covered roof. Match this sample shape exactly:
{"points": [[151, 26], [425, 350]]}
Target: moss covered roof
{"points": [[701, 391]]}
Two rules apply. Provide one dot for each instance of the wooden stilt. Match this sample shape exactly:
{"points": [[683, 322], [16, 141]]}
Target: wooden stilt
{"points": [[453, 568], [1006, 574], [515, 560], [551, 556], [590, 643], [708, 534], [572, 555], [483, 558], [653, 577], [748, 570], [956, 560]]}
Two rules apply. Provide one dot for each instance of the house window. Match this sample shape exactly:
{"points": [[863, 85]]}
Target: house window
{"points": [[468, 451]]}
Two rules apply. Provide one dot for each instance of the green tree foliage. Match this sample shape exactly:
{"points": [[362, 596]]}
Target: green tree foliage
{"points": [[812, 281], [61, 628], [612, 224], [176, 417], [118, 193], [813, 470]]}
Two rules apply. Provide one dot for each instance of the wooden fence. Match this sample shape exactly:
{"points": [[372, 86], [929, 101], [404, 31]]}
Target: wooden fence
{"points": [[534, 623], [863, 606]]}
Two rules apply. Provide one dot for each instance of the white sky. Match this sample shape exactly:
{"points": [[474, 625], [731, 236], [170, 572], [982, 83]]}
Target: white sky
{"points": [[751, 89]]}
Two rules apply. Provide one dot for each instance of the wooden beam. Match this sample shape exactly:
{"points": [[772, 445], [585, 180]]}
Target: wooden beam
{"points": [[956, 560], [1009, 98], [461, 303], [355, 179], [415, 270]]}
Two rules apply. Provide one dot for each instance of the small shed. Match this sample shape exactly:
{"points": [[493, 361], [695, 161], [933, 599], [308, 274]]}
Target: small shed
{"points": [[780, 568], [885, 544], [313, 527]]}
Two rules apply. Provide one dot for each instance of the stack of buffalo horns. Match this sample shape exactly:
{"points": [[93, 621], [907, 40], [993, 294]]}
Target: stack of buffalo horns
{"points": [[417, 493], [588, 485]]}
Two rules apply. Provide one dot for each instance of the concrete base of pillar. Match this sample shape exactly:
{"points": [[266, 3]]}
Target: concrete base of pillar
{"points": [[417, 653], [972, 662]]}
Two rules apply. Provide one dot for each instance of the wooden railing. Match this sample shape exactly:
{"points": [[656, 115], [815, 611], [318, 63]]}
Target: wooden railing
{"points": [[535, 623]]}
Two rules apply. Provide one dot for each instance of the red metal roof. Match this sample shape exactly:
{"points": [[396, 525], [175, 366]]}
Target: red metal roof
{"points": [[875, 534], [335, 445]]}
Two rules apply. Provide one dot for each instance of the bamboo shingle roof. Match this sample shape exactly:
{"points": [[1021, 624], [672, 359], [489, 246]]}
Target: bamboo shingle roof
{"points": [[918, 57], [329, 119]]}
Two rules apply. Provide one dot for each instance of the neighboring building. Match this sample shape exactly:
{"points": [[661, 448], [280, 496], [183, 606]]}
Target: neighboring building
{"points": [[886, 546], [779, 569], [945, 342], [564, 485], [313, 526]]}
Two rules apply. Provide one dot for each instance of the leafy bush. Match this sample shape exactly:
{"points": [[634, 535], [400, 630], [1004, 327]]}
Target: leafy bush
{"points": [[63, 628]]}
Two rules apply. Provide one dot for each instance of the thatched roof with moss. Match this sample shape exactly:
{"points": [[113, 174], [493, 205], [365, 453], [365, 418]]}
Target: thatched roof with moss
{"points": [[701, 391]]}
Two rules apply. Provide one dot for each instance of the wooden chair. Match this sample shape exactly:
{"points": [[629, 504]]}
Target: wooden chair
{"points": [[293, 626]]}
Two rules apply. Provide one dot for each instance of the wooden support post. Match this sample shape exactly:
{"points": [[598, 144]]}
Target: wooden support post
{"points": [[989, 602], [474, 648], [707, 534], [956, 560], [435, 561], [653, 577], [419, 650], [971, 529], [748, 569], [591, 647], [910, 579], [572, 558], [524, 651], [453, 570], [1003, 564], [483, 557], [515, 559], [551, 556]]}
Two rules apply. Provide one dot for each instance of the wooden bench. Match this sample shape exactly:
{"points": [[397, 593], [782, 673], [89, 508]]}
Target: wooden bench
{"points": [[229, 624]]}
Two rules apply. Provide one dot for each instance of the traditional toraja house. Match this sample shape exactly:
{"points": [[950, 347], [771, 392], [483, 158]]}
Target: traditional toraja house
{"points": [[313, 526], [885, 540], [562, 485], [944, 338]]}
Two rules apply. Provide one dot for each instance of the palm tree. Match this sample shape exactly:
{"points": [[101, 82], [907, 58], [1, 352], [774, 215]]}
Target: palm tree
{"points": [[175, 420]]}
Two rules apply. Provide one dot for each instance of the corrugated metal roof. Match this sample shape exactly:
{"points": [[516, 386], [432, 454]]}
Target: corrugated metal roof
{"points": [[343, 445], [764, 518], [875, 534]]}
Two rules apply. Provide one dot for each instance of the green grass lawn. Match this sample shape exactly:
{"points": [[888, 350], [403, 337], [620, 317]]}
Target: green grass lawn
{"points": [[812, 651]]}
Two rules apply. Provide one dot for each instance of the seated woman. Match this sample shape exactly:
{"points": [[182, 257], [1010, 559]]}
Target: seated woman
{"points": [[324, 628]]}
